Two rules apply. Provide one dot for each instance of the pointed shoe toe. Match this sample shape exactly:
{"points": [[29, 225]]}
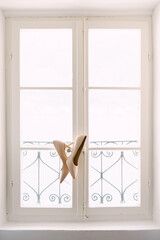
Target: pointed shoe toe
{"points": [[64, 173], [60, 148], [72, 161]]}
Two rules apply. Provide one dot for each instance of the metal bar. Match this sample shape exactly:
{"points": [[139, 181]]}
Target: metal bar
{"points": [[114, 88], [101, 179], [38, 148], [113, 148], [59, 184], [46, 88], [122, 196], [38, 177]]}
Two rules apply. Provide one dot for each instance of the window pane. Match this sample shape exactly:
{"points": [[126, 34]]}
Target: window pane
{"points": [[40, 180], [114, 57], [45, 115], [114, 178], [114, 118], [46, 57]]}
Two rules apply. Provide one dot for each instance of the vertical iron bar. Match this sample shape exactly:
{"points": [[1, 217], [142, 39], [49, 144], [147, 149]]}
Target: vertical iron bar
{"points": [[59, 182], [122, 198], [101, 179], [38, 177]]}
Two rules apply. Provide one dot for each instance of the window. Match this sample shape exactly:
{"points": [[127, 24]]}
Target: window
{"points": [[67, 77]]}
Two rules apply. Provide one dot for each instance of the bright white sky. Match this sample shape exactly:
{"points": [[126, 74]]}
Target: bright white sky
{"points": [[46, 61]]}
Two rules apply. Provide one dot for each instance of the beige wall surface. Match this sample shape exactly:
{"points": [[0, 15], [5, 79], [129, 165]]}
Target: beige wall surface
{"points": [[156, 113], [2, 122], [86, 235]]}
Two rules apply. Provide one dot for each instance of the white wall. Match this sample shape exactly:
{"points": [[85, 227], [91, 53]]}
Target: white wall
{"points": [[156, 113], [2, 121]]}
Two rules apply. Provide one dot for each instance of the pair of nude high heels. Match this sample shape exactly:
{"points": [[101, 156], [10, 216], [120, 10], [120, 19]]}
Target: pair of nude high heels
{"points": [[70, 163]]}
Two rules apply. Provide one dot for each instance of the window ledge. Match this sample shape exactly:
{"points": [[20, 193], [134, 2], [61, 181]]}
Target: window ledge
{"points": [[83, 226]]}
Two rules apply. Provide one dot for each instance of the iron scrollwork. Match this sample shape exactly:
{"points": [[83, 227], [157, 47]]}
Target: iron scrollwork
{"points": [[38, 164], [102, 156], [102, 196]]}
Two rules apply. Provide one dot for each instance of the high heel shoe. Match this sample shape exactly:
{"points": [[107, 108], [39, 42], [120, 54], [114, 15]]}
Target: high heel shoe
{"points": [[72, 160], [60, 147]]}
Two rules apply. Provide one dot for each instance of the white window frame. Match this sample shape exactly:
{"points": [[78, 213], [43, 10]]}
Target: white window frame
{"points": [[80, 208], [144, 211]]}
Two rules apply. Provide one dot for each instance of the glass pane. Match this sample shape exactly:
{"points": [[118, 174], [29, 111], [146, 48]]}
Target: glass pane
{"points": [[45, 115], [114, 118], [46, 57], [114, 57], [40, 180], [114, 178]]}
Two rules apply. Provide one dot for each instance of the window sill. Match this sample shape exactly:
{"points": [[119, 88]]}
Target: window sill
{"points": [[83, 226]]}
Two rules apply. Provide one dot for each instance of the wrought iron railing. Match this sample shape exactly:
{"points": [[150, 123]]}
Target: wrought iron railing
{"points": [[98, 192], [39, 164], [101, 196]]}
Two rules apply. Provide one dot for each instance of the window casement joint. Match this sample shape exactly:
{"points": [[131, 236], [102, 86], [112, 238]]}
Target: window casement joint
{"points": [[10, 55], [11, 183], [85, 216]]}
